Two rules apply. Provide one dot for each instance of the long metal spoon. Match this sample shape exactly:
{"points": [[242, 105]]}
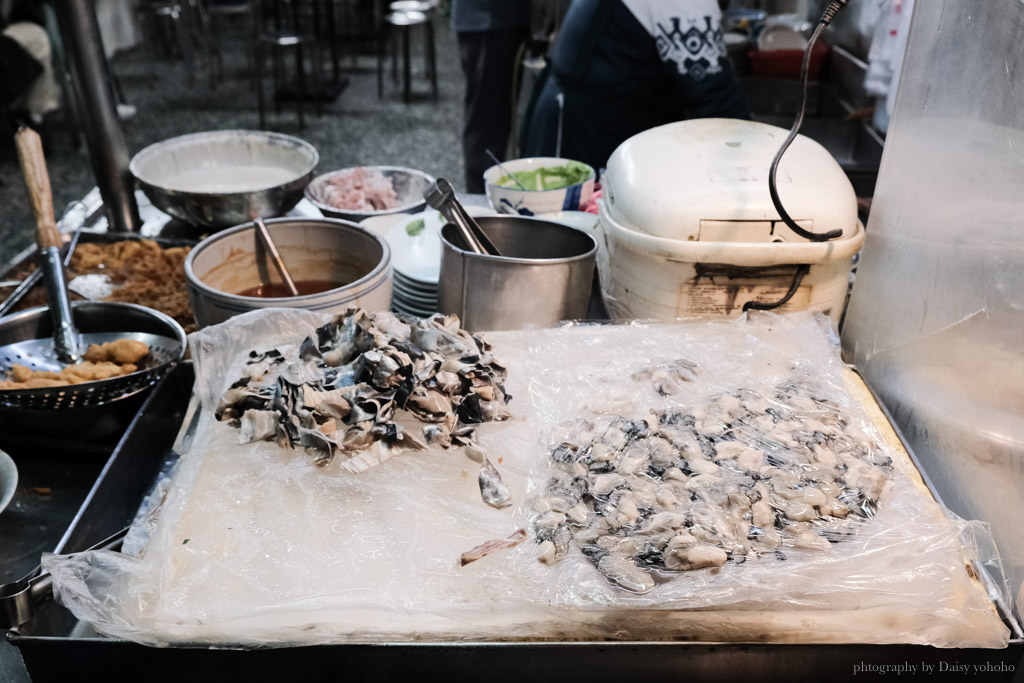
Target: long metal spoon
{"points": [[275, 256], [505, 170], [33, 278], [37, 180], [440, 195]]}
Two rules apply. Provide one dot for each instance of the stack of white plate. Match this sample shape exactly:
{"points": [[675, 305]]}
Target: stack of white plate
{"points": [[415, 243], [413, 297]]}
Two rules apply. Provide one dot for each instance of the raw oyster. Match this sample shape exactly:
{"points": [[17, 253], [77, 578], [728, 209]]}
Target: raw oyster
{"points": [[730, 478], [355, 374]]}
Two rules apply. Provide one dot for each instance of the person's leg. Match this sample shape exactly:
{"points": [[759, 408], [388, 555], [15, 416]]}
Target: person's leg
{"points": [[43, 96], [540, 135], [488, 60], [471, 46]]}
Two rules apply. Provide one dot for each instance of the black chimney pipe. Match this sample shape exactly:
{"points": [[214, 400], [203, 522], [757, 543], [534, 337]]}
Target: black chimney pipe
{"points": [[94, 96]]}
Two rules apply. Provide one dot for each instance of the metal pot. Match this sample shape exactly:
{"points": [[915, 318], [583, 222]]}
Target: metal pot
{"points": [[313, 249], [543, 278]]}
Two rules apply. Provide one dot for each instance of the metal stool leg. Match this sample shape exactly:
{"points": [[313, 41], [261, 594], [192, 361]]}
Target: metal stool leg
{"points": [[394, 55], [182, 34], [150, 25], [257, 72], [431, 57], [218, 53], [300, 65], [318, 80], [252, 31], [406, 66], [278, 68], [380, 66]]}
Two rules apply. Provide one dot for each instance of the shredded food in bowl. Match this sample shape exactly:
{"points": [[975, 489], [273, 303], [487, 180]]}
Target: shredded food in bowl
{"points": [[359, 189], [146, 274]]}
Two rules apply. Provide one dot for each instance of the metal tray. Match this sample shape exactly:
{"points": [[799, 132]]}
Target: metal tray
{"points": [[86, 236], [93, 430], [55, 646]]}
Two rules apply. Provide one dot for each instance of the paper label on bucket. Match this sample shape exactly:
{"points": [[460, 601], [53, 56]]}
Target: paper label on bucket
{"points": [[709, 298]]}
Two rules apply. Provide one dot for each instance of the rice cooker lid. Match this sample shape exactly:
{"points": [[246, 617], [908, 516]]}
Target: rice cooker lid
{"points": [[707, 179]]}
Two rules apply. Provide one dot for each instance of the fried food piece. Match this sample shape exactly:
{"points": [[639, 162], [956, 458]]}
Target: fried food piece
{"points": [[102, 361], [118, 351], [88, 371], [39, 383], [91, 371], [21, 373]]}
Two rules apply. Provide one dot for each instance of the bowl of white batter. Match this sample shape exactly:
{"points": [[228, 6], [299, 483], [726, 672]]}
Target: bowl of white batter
{"points": [[223, 178]]}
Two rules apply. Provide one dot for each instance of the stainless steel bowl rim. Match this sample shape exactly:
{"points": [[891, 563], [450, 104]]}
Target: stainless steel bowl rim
{"points": [[300, 181], [368, 214], [592, 176], [39, 311], [155, 147], [8, 480], [532, 261], [194, 280]]}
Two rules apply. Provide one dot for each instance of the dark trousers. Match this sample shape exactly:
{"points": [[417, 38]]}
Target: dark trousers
{"points": [[488, 61]]}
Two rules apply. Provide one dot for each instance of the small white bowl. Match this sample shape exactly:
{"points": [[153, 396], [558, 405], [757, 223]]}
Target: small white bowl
{"points": [[312, 248], [533, 202]]}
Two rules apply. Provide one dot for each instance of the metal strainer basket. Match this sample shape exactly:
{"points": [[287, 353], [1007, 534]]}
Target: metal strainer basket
{"points": [[26, 339]]}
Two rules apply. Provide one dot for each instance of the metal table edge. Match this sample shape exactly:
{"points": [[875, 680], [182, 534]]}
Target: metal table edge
{"points": [[1007, 612], [1007, 615], [14, 637]]}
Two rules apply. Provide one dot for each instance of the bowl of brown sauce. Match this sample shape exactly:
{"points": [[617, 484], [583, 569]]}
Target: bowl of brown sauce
{"points": [[335, 264]]}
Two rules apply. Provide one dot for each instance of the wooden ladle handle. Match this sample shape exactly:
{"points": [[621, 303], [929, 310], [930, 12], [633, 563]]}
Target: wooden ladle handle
{"points": [[37, 180]]}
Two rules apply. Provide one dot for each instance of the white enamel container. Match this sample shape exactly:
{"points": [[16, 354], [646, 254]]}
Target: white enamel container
{"points": [[687, 226]]}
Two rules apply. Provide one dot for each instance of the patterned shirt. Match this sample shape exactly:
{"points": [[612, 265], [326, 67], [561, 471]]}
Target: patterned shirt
{"points": [[625, 66]]}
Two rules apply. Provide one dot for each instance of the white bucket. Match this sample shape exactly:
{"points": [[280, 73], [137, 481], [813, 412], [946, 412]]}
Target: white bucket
{"points": [[649, 277]]}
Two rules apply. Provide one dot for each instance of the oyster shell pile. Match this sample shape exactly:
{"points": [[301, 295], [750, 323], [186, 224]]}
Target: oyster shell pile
{"points": [[736, 477], [342, 391]]}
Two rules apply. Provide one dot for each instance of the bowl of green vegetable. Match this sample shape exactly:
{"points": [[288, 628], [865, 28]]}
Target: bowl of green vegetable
{"points": [[536, 185]]}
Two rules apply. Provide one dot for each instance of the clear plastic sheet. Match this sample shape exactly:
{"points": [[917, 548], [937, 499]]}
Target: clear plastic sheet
{"points": [[254, 545], [737, 408]]}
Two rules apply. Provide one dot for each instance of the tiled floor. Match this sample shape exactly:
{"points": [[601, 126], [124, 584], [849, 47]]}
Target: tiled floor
{"points": [[357, 128]]}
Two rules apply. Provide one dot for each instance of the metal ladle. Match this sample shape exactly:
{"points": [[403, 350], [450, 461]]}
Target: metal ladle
{"points": [[504, 170], [33, 166], [440, 195]]}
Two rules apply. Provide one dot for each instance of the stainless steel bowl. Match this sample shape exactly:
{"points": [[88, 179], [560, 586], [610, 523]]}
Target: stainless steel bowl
{"points": [[218, 179], [409, 185]]}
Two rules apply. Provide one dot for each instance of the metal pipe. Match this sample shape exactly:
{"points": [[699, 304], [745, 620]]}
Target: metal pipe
{"points": [[94, 96]]}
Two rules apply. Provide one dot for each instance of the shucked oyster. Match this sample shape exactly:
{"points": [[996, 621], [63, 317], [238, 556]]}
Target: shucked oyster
{"points": [[339, 391], [730, 478]]}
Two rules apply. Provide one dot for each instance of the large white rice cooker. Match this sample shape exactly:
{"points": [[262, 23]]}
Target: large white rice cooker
{"points": [[687, 225]]}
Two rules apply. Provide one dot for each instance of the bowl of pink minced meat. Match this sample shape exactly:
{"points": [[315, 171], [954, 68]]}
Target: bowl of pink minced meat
{"points": [[364, 191]]}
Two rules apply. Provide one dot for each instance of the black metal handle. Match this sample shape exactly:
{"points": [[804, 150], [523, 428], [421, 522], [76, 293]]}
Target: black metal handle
{"points": [[18, 599], [65, 335], [798, 277], [826, 19]]}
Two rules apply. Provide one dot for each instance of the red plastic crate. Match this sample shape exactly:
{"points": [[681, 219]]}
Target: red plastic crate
{"points": [[786, 63]]}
